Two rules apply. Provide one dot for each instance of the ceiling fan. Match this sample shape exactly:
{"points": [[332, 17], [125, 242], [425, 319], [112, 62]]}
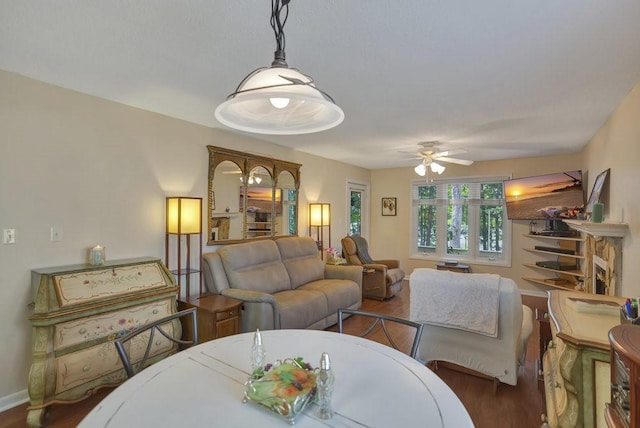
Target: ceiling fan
{"points": [[431, 156]]}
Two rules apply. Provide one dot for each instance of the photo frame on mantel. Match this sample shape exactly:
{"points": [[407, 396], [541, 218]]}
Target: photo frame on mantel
{"points": [[389, 206], [597, 190]]}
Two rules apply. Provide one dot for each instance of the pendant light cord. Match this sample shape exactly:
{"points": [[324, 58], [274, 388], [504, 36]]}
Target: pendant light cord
{"points": [[279, 15]]}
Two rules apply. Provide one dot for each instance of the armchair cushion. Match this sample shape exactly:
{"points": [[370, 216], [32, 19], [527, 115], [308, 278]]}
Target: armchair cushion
{"points": [[255, 266]]}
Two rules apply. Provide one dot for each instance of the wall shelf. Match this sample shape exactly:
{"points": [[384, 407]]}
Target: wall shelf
{"points": [[570, 278], [576, 273], [555, 238], [611, 229], [566, 286], [572, 256]]}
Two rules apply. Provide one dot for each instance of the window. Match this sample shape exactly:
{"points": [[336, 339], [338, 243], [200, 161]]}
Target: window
{"points": [[290, 214], [358, 209], [462, 219]]}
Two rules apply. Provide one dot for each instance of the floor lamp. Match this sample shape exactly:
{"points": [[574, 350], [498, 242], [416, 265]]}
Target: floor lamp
{"points": [[184, 218], [320, 217]]}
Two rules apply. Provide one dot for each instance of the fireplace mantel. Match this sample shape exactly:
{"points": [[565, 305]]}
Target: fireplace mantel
{"points": [[606, 229]]}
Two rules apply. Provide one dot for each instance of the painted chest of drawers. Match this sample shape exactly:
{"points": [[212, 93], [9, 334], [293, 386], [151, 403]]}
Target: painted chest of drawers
{"points": [[576, 363], [78, 311]]}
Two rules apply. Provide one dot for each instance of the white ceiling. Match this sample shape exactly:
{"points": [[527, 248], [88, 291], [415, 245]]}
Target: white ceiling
{"points": [[500, 78]]}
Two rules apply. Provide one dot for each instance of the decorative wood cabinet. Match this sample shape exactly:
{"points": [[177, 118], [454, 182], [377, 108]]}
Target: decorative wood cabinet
{"points": [[218, 316], [78, 311], [576, 363], [623, 411]]}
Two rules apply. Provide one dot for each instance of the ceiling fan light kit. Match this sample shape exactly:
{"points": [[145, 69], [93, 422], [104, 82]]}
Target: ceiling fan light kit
{"points": [[279, 100], [430, 154]]}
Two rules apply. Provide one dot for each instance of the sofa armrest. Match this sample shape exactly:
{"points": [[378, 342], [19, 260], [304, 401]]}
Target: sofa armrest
{"points": [[354, 273], [376, 267], [391, 264], [256, 301]]}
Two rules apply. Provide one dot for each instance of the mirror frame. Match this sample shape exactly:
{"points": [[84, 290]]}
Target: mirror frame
{"points": [[246, 162]]}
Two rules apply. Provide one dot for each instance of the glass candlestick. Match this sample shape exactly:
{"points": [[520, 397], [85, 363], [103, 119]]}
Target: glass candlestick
{"points": [[324, 381], [257, 352]]}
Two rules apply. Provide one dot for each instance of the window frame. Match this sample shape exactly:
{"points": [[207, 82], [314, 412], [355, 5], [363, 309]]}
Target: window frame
{"points": [[441, 203]]}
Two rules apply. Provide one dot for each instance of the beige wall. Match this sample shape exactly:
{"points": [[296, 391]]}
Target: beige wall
{"points": [[390, 235], [617, 146], [100, 171]]}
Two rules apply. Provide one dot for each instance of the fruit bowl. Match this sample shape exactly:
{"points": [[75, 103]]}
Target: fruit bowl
{"points": [[284, 387]]}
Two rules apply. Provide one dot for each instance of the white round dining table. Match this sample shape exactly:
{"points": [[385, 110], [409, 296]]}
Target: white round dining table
{"points": [[203, 386]]}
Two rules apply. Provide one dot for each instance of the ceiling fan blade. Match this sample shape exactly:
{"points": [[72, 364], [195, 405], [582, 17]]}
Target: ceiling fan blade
{"points": [[452, 152], [454, 160]]}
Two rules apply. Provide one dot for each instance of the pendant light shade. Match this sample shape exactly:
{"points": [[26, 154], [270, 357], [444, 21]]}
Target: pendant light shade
{"points": [[278, 99]]}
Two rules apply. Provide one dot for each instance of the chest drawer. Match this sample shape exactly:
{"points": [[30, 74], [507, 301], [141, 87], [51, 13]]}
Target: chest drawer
{"points": [[92, 363], [84, 287], [108, 324], [88, 364], [226, 314]]}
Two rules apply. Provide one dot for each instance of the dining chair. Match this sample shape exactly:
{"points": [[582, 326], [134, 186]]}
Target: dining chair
{"points": [[166, 327], [382, 319]]}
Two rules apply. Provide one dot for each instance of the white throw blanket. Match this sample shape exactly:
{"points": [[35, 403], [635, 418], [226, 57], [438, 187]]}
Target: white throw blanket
{"points": [[458, 300]]}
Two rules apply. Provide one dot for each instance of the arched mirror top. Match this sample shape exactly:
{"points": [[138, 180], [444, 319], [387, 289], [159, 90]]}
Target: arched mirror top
{"points": [[250, 196]]}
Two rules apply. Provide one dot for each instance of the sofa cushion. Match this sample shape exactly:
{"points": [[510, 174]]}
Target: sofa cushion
{"points": [[255, 266], [340, 293], [301, 259], [301, 308]]}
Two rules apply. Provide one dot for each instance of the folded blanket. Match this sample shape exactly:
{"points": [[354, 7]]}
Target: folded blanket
{"points": [[362, 250], [457, 300]]}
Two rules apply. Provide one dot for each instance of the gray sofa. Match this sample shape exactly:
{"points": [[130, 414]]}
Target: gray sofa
{"points": [[283, 283]]}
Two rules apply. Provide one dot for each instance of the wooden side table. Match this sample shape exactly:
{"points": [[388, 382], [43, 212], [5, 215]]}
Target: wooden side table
{"points": [[459, 267], [218, 316]]}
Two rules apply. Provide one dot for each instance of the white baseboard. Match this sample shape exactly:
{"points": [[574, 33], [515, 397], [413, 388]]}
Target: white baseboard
{"points": [[12, 400]]}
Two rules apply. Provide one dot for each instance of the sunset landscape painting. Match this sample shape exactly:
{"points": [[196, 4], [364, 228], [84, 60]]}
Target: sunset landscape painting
{"points": [[547, 196]]}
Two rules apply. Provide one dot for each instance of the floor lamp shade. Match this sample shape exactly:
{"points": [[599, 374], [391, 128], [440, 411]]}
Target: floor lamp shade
{"points": [[320, 217], [184, 215], [184, 218], [319, 214]]}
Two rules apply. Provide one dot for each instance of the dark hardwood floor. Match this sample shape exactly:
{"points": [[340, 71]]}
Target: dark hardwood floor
{"points": [[511, 406]]}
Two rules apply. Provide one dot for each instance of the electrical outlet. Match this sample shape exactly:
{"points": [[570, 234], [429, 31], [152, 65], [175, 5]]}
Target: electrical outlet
{"points": [[8, 236], [56, 234]]}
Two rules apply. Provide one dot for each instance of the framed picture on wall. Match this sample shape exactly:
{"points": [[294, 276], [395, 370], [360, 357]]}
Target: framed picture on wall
{"points": [[596, 192], [389, 206]]}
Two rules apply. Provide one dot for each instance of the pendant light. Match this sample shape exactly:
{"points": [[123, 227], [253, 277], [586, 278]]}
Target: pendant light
{"points": [[279, 100]]}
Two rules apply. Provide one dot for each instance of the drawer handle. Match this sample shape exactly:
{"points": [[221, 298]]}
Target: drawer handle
{"points": [[86, 368], [155, 311], [82, 330], [230, 313]]}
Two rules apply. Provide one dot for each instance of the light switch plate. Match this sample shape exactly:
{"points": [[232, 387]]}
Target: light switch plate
{"points": [[8, 236]]}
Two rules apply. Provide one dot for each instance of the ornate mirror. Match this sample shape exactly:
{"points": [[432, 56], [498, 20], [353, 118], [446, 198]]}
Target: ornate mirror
{"points": [[250, 196]]}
